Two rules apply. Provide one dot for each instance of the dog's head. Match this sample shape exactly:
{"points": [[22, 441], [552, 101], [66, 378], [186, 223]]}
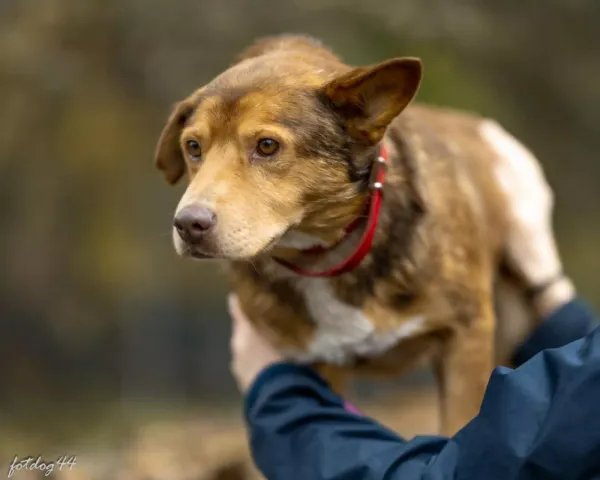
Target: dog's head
{"points": [[278, 146]]}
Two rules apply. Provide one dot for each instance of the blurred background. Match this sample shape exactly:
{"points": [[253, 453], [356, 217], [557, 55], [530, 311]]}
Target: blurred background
{"points": [[109, 343]]}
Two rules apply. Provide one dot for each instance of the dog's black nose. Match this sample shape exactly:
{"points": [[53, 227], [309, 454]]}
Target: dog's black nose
{"points": [[193, 222]]}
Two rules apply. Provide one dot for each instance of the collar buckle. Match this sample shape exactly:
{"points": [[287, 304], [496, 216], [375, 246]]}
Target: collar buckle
{"points": [[377, 173]]}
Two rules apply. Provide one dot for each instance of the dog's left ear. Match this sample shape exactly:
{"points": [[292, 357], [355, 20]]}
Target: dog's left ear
{"points": [[168, 157], [369, 98]]}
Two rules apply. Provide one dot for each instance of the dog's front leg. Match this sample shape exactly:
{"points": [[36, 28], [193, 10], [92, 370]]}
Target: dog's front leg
{"points": [[464, 368]]}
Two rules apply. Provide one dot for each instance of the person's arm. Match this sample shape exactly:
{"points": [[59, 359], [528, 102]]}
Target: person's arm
{"points": [[538, 421]]}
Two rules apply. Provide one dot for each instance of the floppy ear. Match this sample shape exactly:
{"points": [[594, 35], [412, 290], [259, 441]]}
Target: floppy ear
{"points": [[168, 156], [369, 98]]}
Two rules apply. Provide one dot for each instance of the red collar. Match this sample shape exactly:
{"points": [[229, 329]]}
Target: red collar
{"points": [[378, 171]]}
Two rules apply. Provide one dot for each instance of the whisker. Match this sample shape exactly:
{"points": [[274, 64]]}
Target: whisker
{"points": [[255, 267]]}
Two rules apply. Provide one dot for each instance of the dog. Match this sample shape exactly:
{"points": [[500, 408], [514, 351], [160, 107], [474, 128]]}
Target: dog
{"points": [[364, 232]]}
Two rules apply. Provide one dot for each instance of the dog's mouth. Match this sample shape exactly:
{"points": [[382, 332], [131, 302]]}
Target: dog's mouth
{"points": [[199, 255], [195, 253], [212, 251]]}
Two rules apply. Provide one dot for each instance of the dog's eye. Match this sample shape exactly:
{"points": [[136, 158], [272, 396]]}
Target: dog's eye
{"points": [[193, 149], [267, 147]]}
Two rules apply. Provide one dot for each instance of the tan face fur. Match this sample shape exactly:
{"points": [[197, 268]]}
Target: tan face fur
{"points": [[319, 120]]}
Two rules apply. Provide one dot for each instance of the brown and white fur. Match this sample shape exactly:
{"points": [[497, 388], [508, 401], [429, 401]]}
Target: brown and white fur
{"points": [[425, 290]]}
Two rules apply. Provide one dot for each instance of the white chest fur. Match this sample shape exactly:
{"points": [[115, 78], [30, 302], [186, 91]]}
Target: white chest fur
{"points": [[343, 331]]}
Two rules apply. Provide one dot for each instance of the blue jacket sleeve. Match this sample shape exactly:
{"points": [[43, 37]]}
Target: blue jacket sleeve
{"points": [[538, 421]]}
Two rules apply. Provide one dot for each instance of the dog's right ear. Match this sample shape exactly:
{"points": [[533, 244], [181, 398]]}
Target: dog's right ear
{"points": [[168, 157]]}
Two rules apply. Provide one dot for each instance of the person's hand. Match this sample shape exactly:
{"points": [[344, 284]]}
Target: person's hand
{"points": [[250, 353], [531, 248]]}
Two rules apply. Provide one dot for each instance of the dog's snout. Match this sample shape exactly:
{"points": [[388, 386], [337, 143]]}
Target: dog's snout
{"points": [[193, 222]]}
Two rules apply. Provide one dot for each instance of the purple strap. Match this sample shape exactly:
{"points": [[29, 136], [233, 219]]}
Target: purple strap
{"points": [[349, 407]]}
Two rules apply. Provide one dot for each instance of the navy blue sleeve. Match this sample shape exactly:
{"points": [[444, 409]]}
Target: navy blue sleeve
{"points": [[567, 324], [538, 421]]}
